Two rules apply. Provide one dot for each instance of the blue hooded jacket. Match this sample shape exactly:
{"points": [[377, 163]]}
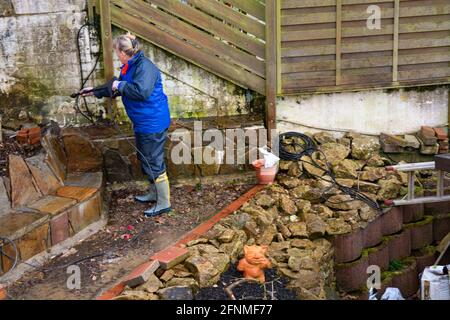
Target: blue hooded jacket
{"points": [[143, 95]]}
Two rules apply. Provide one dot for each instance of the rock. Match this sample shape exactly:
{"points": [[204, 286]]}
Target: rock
{"points": [[324, 137], [295, 169], [343, 202], [23, 189], [267, 236], [366, 187], [304, 207], [287, 205], [412, 141], [298, 229], [203, 270], [264, 201], [176, 293], [288, 182], [337, 226], [45, 179], [227, 236], [279, 246], [55, 155], [366, 213], [312, 169], [313, 195], [346, 169], [375, 161], [251, 228], [167, 275], [152, 285], [346, 182], [220, 261], [306, 279], [300, 191], [82, 154], [316, 226], [180, 271], [117, 169], [184, 282], [136, 295], [322, 211], [284, 165], [427, 136], [372, 174], [304, 294], [284, 230], [197, 241], [392, 144], [348, 215], [390, 189], [335, 152], [232, 249], [429, 150], [204, 249], [302, 244], [364, 147], [305, 263]]}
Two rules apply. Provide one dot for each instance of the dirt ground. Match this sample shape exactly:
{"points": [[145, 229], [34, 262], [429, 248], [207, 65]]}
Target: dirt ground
{"points": [[9, 146], [127, 241]]}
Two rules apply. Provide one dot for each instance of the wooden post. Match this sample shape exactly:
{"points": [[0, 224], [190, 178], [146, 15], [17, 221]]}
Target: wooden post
{"points": [[338, 42], [396, 40], [279, 88], [107, 46], [271, 66]]}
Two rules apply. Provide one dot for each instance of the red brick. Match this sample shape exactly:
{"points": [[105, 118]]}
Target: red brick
{"points": [[440, 133], [34, 135], [22, 136], [141, 274], [59, 228], [427, 131], [170, 257]]}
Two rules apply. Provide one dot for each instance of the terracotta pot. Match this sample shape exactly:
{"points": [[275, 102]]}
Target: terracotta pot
{"points": [[379, 256], [400, 245], [413, 212], [421, 233], [264, 175], [392, 221], [406, 280], [353, 275], [372, 234], [348, 247], [441, 226]]}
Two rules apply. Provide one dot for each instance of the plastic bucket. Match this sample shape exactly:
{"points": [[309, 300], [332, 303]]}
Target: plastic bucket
{"points": [[264, 175]]}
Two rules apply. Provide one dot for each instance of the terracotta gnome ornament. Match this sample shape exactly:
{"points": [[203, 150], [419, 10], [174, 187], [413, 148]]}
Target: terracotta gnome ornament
{"points": [[254, 263]]}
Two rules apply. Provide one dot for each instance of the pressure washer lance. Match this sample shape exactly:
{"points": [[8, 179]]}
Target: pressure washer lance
{"points": [[103, 90]]}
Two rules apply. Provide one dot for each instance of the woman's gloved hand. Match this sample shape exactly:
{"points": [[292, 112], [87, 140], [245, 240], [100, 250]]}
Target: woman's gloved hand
{"points": [[115, 85], [85, 92]]}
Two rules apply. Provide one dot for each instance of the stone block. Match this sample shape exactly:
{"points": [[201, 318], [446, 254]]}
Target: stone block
{"points": [[399, 245], [136, 167], [348, 247], [52, 204], [141, 274], [82, 154], [59, 228], [45, 179], [170, 257], [352, 276], [16, 224], [413, 212], [392, 221], [426, 136], [421, 233], [55, 155], [23, 190], [412, 141], [441, 133], [117, 169], [85, 180], [85, 213], [77, 193]]}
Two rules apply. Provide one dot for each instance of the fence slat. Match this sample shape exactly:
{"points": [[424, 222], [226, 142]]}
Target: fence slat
{"points": [[183, 49], [252, 7], [183, 30]]}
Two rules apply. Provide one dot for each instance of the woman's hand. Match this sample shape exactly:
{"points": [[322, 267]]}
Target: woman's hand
{"points": [[89, 91], [115, 85]]}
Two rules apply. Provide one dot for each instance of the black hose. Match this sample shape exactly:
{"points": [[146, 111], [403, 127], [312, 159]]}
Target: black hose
{"points": [[308, 147]]}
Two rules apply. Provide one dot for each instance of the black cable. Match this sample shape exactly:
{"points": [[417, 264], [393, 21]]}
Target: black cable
{"points": [[307, 148]]}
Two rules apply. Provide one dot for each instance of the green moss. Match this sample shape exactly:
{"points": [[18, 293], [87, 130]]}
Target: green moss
{"points": [[426, 220]]}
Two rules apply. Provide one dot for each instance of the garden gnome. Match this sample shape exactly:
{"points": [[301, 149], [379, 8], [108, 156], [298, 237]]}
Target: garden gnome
{"points": [[254, 263]]}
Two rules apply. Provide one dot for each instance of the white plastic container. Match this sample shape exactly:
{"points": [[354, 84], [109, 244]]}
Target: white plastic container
{"points": [[435, 285]]}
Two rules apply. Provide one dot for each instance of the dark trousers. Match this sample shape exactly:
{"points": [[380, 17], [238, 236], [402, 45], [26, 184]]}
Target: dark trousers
{"points": [[151, 153]]}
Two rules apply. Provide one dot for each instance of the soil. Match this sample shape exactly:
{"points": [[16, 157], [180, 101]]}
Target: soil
{"points": [[127, 241], [249, 290], [9, 146]]}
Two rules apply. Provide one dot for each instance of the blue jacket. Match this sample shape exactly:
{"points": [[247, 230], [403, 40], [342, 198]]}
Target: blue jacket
{"points": [[143, 95]]}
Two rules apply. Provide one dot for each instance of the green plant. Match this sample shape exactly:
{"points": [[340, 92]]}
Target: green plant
{"points": [[395, 265]]}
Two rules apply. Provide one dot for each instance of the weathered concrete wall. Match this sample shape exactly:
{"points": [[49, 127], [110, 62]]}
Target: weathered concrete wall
{"points": [[39, 68], [370, 112], [193, 91], [39, 64]]}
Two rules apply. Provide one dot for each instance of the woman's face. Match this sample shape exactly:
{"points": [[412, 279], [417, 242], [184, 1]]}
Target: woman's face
{"points": [[122, 56]]}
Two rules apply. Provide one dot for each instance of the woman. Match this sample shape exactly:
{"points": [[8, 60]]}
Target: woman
{"points": [[140, 86]]}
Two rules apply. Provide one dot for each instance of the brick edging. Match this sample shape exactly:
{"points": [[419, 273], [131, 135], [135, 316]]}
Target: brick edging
{"points": [[192, 235]]}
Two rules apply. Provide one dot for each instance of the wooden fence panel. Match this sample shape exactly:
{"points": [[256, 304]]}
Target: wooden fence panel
{"points": [[326, 45]]}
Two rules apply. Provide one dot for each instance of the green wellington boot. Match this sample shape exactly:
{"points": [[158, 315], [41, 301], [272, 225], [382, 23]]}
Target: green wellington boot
{"points": [[148, 197], [163, 200]]}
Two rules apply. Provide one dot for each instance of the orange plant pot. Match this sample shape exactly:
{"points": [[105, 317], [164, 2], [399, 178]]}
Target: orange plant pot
{"points": [[264, 175]]}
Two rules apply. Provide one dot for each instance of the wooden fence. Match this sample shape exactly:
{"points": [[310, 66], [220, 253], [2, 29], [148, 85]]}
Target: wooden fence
{"points": [[282, 47]]}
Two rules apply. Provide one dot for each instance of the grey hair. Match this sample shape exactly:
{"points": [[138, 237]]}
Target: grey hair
{"points": [[127, 43]]}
